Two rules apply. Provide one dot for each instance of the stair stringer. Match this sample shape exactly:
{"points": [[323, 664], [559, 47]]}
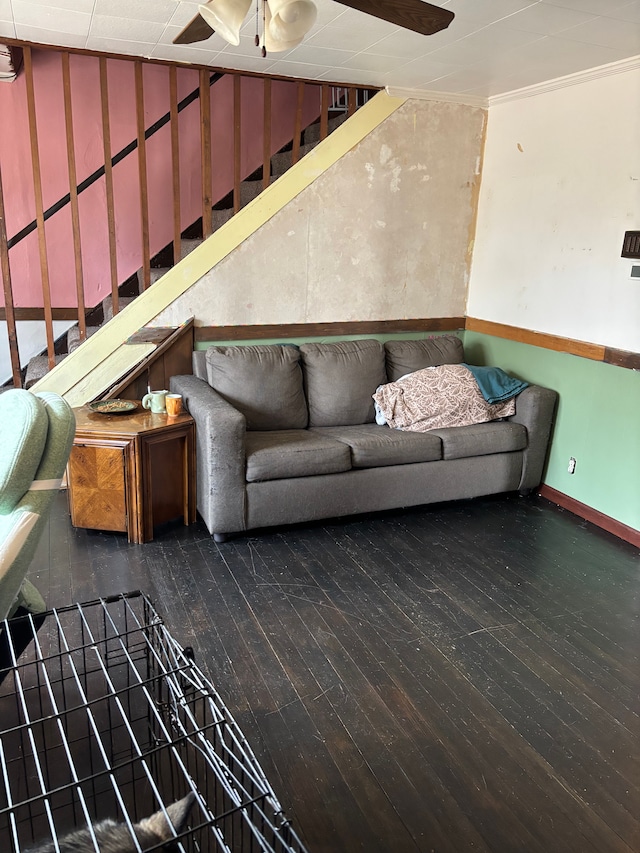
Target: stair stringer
{"points": [[105, 357]]}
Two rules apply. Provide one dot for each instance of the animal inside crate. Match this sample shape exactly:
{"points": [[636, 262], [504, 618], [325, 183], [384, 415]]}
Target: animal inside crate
{"points": [[106, 716]]}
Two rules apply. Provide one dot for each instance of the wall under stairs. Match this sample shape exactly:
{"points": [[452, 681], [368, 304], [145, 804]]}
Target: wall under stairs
{"points": [[104, 358]]}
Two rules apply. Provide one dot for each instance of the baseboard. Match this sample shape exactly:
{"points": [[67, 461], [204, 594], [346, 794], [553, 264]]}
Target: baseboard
{"points": [[622, 531]]}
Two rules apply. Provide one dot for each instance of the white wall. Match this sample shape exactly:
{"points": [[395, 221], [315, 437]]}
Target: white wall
{"points": [[32, 339], [383, 234], [560, 186]]}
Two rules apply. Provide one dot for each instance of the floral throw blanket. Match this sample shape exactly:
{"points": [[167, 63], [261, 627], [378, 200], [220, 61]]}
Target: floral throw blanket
{"points": [[436, 397]]}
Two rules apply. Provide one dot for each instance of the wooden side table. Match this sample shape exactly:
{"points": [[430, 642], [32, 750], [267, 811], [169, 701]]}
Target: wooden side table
{"points": [[131, 472]]}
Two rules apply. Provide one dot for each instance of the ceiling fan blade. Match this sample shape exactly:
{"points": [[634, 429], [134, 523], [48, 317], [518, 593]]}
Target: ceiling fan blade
{"points": [[196, 30], [423, 18]]}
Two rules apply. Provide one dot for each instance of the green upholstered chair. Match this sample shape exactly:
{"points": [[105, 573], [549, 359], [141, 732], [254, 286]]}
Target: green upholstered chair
{"points": [[36, 436]]}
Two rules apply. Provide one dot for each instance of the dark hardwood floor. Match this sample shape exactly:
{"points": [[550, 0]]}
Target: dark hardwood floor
{"points": [[454, 678]]}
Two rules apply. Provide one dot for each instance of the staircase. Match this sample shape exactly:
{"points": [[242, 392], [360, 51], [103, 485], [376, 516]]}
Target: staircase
{"points": [[222, 211]]}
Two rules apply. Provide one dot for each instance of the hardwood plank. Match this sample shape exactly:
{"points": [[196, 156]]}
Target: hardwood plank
{"points": [[455, 677]]}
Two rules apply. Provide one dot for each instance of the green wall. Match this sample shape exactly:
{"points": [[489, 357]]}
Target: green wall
{"points": [[598, 422]]}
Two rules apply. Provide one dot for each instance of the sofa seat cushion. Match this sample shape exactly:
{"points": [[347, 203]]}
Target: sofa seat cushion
{"points": [[340, 379], [263, 382], [481, 439], [278, 454], [373, 446], [404, 357]]}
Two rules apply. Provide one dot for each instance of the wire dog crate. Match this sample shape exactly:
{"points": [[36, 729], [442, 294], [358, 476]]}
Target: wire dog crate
{"points": [[107, 716]]}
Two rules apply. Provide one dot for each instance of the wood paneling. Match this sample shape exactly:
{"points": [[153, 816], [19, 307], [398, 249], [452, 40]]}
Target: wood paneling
{"points": [[324, 112], [297, 126], [312, 330], [537, 339]]}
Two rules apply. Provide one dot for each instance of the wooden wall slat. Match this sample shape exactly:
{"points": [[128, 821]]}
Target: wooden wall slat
{"points": [[108, 177], [266, 135], [324, 111], [5, 269], [237, 140], [175, 162], [205, 136], [538, 339], [297, 129], [142, 176], [37, 189], [73, 194], [320, 330]]}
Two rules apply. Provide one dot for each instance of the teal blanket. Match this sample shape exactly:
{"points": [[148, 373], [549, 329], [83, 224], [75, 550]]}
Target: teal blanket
{"points": [[495, 385]]}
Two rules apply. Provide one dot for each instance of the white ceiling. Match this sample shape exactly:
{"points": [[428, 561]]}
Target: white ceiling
{"points": [[491, 47]]}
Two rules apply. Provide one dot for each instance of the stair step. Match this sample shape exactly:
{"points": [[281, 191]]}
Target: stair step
{"points": [[312, 133], [155, 273], [248, 191], [188, 245], [73, 336], [281, 162], [107, 305], [219, 217], [37, 368]]}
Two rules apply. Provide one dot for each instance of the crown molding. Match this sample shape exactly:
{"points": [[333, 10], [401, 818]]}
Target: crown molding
{"points": [[600, 71], [445, 97]]}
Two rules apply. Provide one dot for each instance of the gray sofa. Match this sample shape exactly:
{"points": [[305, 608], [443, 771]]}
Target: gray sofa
{"points": [[287, 434]]}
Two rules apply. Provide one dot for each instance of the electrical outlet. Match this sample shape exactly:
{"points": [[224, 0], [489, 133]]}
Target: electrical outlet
{"points": [[572, 466]]}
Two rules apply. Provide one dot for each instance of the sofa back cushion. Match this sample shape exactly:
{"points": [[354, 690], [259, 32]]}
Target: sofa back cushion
{"points": [[404, 357], [340, 379], [263, 382]]}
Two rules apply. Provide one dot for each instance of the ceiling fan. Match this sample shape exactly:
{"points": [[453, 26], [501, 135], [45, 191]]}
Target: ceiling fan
{"points": [[286, 22]]}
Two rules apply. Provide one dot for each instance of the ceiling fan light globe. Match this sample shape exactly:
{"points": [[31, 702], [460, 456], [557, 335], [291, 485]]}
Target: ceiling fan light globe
{"points": [[226, 17], [274, 45], [291, 19]]}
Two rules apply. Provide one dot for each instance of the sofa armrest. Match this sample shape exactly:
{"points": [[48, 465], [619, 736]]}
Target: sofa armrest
{"points": [[535, 408], [220, 454]]}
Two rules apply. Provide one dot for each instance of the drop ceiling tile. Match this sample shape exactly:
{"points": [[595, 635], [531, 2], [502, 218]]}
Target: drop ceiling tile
{"points": [[595, 7], [548, 20], [314, 55], [418, 74], [244, 63], [126, 48], [627, 13], [367, 61], [607, 32], [106, 26], [329, 12], [486, 11], [46, 18], [25, 32], [158, 11], [352, 75], [298, 69], [183, 53], [341, 39], [403, 45], [70, 5], [484, 44]]}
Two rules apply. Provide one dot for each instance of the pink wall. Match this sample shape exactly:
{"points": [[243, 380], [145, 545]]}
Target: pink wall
{"points": [[15, 163]]}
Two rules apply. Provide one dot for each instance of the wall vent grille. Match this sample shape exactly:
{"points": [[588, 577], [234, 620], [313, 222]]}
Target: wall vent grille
{"points": [[631, 244]]}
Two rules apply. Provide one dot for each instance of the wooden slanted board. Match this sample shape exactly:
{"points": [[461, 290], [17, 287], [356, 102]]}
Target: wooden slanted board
{"points": [[72, 378]]}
